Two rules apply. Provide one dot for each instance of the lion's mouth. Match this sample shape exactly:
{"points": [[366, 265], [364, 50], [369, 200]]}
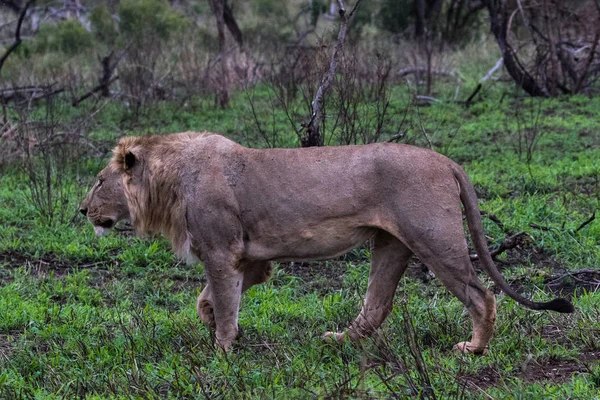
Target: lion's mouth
{"points": [[106, 224], [103, 226]]}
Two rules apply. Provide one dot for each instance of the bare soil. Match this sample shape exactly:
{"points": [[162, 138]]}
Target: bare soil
{"points": [[319, 276], [558, 371], [551, 370]]}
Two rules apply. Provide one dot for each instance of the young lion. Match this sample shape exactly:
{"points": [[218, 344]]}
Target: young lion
{"points": [[237, 209]]}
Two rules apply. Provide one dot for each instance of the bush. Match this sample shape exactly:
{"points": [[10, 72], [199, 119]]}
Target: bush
{"points": [[140, 20], [103, 25], [68, 36]]}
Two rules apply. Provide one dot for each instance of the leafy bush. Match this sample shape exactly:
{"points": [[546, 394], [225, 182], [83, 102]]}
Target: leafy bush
{"points": [[143, 19], [103, 25], [68, 36]]}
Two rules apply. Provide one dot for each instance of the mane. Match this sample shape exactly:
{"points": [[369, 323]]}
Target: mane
{"points": [[155, 198]]}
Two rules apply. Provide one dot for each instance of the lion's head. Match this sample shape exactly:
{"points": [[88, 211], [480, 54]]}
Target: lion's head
{"points": [[105, 203]]}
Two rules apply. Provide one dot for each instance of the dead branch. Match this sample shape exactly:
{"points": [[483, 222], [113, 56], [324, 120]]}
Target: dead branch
{"points": [[588, 63], [18, 40], [586, 222], [540, 227], [428, 99], [493, 218], [424, 70], [509, 243], [492, 71], [312, 136], [574, 275], [101, 86]]}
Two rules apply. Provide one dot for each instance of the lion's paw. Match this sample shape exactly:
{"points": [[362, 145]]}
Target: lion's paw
{"points": [[206, 313], [468, 348], [333, 337]]}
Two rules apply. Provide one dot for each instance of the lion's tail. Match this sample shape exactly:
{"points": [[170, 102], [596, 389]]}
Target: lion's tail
{"points": [[469, 200]]}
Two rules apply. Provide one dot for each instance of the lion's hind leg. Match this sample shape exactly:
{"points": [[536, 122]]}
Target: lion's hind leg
{"points": [[388, 263], [451, 264]]}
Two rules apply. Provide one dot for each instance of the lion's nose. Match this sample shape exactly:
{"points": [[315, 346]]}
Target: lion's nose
{"points": [[83, 211]]}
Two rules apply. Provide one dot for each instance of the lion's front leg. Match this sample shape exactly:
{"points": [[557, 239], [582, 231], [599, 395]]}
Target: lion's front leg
{"points": [[225, 281], [204, 307], [255, 272]]}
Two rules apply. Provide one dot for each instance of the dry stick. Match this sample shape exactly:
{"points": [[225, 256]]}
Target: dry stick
{"points": [[493, 218], [589, 220], [312, 137], [573, 274], [509, 243], [487, 76], [540, 227], [94, 90], [18, 40]]}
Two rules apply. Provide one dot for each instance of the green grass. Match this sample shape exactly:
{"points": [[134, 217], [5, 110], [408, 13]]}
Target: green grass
{"points": [[114, 317]]}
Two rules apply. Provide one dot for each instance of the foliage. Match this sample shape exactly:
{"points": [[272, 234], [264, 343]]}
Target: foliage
{"points": [[396, 15], [104, 25], [68, 36], [140, 20]]}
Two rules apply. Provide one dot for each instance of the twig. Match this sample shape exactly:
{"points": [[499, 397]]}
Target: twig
{"points": [[492, 71], [428, 99], [94, 90], [477, 89], [312, 137], [573, 274], [18, 40], [395, 137], [540, 227], [509, 243], [423, 131], [422, 70], [493, 218], [589, 220]]}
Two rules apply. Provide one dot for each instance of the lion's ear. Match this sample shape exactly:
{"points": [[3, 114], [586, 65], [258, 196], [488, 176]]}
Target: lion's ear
{"points": [[125, 155], [130, 160]]}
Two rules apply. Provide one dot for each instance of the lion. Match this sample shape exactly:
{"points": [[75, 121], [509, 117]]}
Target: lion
{"points": [[237, 209], [105, 204]]}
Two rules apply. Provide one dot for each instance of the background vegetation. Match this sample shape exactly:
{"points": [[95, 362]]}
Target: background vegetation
{"points": [[114, 317]]}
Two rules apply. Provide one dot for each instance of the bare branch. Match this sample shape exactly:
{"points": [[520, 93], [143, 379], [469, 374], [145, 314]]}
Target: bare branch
{"points": [[18, 40], [586, 222], [509, 243], [312, 136]]}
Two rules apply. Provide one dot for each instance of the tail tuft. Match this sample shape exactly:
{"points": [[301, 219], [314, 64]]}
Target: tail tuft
{"points": [[559, 305]]}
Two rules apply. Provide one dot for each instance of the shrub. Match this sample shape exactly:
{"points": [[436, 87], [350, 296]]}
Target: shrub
{"points": [[68, 36]]}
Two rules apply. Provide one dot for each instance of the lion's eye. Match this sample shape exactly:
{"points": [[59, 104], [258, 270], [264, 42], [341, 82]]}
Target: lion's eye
{"points": [[100, 180]]}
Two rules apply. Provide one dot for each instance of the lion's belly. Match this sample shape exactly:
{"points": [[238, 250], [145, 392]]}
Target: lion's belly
{"points": [[307, 243]]}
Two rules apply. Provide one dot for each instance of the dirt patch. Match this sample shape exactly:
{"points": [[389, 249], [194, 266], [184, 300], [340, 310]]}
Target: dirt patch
{"points": [[324, 277], [41, 266], [574, 283], [187, 284], [51, 264], [558, 371], [482, 379], [554, 370], [561, 282], [7, 346]]}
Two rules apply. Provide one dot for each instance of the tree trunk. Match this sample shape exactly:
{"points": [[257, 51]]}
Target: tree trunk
{"points": [[218, 7], [499, 25], [232, 25]]}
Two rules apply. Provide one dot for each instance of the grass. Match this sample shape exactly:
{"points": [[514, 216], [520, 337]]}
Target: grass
{"points": [[114, 317]]}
